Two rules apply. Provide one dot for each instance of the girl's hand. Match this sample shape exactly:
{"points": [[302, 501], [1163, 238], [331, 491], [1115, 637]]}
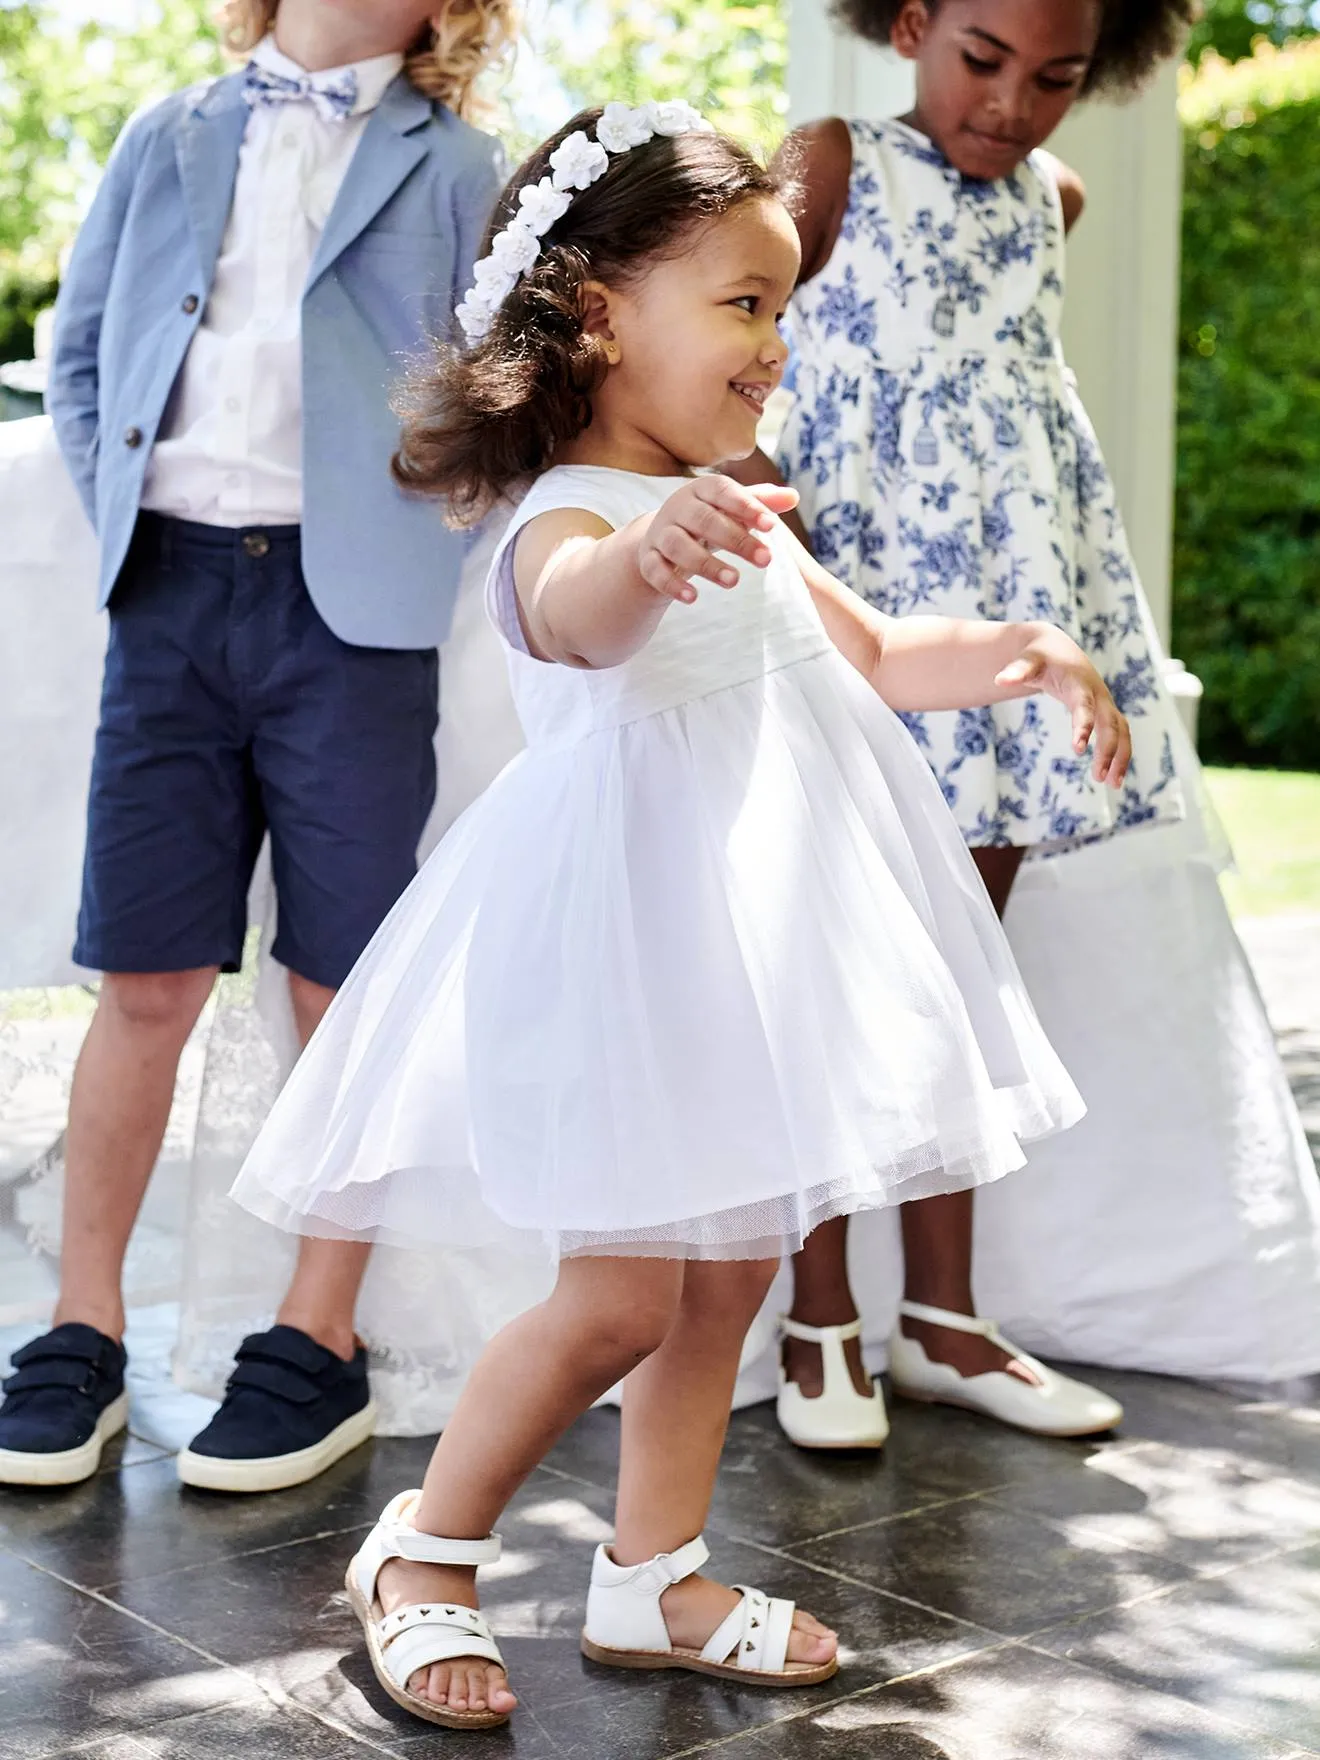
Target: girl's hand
{"points": [[1054, 665], [708, 514]]}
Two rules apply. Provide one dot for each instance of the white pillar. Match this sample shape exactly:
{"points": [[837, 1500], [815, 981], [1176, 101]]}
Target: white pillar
{"points": [[1121, 313]]}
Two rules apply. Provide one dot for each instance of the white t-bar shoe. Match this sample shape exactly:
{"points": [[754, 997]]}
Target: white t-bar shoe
{"points": [[838, 1417], [1055, 1406]]}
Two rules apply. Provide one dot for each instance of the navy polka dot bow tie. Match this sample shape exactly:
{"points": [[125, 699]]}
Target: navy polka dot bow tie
{"points": [[334, 98]]}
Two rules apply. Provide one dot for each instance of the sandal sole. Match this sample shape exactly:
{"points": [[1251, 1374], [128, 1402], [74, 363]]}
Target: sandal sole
{"points": [[804, 1674], [208, 1472], [72, 1465], [423, 1708]]}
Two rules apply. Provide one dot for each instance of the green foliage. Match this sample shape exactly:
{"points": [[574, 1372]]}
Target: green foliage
{"points": [[1247, 531], [66, 90], [728, 57], [1229, 28]]}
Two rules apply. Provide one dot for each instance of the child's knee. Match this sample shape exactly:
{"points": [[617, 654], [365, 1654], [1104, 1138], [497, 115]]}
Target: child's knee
{"points": [[731, 1288], [619, 1320]]}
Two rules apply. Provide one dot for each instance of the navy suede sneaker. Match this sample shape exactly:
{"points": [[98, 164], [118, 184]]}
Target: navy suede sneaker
{"points": [[63, 1402], [291, 1409]]}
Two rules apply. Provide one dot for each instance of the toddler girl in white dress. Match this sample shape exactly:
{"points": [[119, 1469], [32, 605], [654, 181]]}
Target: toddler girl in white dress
{"points": [[641, 1011]]}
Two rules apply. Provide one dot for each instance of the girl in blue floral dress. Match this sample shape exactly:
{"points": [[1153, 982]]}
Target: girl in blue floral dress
{"points": [[945, 464]]}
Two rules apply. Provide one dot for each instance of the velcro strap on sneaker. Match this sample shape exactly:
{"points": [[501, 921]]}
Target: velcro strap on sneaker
{"points": [[60, 1347], [78, 1376], [400, 1541], [667, 1568], [277, 1379], [417, 1637], [287, 1346]]}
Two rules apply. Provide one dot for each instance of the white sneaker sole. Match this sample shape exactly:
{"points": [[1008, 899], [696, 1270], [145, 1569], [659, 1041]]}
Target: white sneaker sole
{"points": [[71, 1466], [277, 1472]]}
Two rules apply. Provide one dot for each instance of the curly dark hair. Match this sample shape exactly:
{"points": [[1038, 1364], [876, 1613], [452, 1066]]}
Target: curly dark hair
{"points": [[477, 420], [1135, 35]]}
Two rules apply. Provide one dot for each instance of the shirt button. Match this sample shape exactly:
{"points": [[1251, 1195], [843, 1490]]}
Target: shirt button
{"points": [[132, 438], [233, 403], [290, 140], [191, 303], [256, 543]]}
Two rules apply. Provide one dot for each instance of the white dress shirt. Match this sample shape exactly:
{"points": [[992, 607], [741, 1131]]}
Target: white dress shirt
{"points": [[229, 451]]}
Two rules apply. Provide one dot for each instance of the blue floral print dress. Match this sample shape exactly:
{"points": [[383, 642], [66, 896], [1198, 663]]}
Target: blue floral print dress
{"points": [[946, 465]]}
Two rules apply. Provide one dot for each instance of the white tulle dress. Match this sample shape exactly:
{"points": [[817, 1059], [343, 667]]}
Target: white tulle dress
{"points": [[706, 965]]}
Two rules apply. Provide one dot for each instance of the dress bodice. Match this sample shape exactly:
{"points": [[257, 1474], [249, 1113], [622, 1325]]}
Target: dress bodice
{"points": [[730, 636], [929, 261]]}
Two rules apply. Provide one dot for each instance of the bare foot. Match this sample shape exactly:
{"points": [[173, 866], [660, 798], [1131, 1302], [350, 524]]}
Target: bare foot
{"points": [[696, 1607], [803, 1365], [467, 1683], [970, 1353]]}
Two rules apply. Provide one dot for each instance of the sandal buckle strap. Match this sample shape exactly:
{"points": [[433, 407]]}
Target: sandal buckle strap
{"points": [[667, 1568], [401, 1541]]}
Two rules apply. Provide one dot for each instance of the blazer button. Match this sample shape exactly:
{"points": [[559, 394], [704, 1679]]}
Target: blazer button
{"points": [[190, 303], [256, 543], [132, 438]]}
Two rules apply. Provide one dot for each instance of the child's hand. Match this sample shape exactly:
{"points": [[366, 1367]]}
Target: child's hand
{"points": [[708, 514], [1055, 665]]}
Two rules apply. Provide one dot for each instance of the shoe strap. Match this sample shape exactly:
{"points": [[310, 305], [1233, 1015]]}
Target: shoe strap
{"points": [[946, 1317], [667, 1568], [73, 1374], [400, 1540], [755, 1635], [819, 1334]]}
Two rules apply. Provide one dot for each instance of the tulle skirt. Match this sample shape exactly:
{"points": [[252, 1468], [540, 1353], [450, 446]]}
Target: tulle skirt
{"points": [[686, 987]]}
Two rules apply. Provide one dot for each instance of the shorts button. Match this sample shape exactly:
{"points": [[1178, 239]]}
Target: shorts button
{"points": [[190, 303], [132, 438], [256, 543]]}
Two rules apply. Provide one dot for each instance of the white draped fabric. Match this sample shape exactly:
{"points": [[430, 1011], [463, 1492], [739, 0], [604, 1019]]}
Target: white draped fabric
{"points": [[1176, 1229]]}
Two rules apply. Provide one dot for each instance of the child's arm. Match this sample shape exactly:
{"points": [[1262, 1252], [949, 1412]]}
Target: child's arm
{"points": [[1072, 191], [591, 596], [72, 394], [962, 663], [821, 155]]}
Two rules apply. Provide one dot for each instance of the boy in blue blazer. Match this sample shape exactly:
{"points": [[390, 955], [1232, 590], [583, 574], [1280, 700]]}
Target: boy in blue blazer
{"points": [[260, 254]]}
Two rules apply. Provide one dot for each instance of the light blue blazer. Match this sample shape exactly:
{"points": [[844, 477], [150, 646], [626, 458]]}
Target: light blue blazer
{"points": [[395, 256]]}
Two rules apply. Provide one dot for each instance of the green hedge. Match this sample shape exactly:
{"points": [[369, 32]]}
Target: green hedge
{"points": [[1247, 533], [22, 296]]}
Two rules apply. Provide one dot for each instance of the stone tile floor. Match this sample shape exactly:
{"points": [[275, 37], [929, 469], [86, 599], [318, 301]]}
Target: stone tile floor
{"points": [[1155, 1596]]}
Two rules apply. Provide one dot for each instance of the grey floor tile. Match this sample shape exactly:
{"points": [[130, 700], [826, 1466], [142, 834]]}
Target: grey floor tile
{"points": [[282, 1615], [1245, 1645], [1002, 1570], [1010, 1705], [122, 1526], [1206, 1508], [74, 1670]]}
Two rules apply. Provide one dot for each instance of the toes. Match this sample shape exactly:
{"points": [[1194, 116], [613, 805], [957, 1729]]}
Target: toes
{"points": [[476, 1687], [501, 1698], [811, 1641], [432, 1683]]}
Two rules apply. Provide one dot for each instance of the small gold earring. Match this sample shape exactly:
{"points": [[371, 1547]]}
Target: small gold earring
{"points": [[612, 352]]}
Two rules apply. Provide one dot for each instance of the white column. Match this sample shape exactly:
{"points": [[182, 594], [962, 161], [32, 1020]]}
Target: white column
{"points": [[1121, 311]]}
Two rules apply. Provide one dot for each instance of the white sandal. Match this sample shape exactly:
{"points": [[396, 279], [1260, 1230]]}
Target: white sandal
{"points": [[415, 1637], [1056, 1406], [838, 1417], [626, 1626]]}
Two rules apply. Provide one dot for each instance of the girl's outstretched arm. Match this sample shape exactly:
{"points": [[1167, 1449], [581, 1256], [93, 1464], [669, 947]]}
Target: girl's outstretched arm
{"points": [[962, 663], [591, 596]]}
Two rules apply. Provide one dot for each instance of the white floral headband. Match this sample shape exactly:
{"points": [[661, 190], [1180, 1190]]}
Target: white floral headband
{"points": [[575, 164]]}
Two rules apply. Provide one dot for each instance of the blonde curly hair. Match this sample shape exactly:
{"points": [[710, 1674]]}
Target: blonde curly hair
{"points": [[462, 41]]}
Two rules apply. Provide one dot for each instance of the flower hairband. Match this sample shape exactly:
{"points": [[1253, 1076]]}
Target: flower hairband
{"points": [[575, 164]]}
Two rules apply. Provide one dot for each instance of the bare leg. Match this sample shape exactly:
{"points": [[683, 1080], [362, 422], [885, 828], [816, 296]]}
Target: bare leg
{"points": [[675, 1415], [123, 1087], [328, 1275], [530, 1383], [937, 1232], [822, 1296]]}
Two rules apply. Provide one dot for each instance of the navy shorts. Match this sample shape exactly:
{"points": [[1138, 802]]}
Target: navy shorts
{"points": [[229, 709]]}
